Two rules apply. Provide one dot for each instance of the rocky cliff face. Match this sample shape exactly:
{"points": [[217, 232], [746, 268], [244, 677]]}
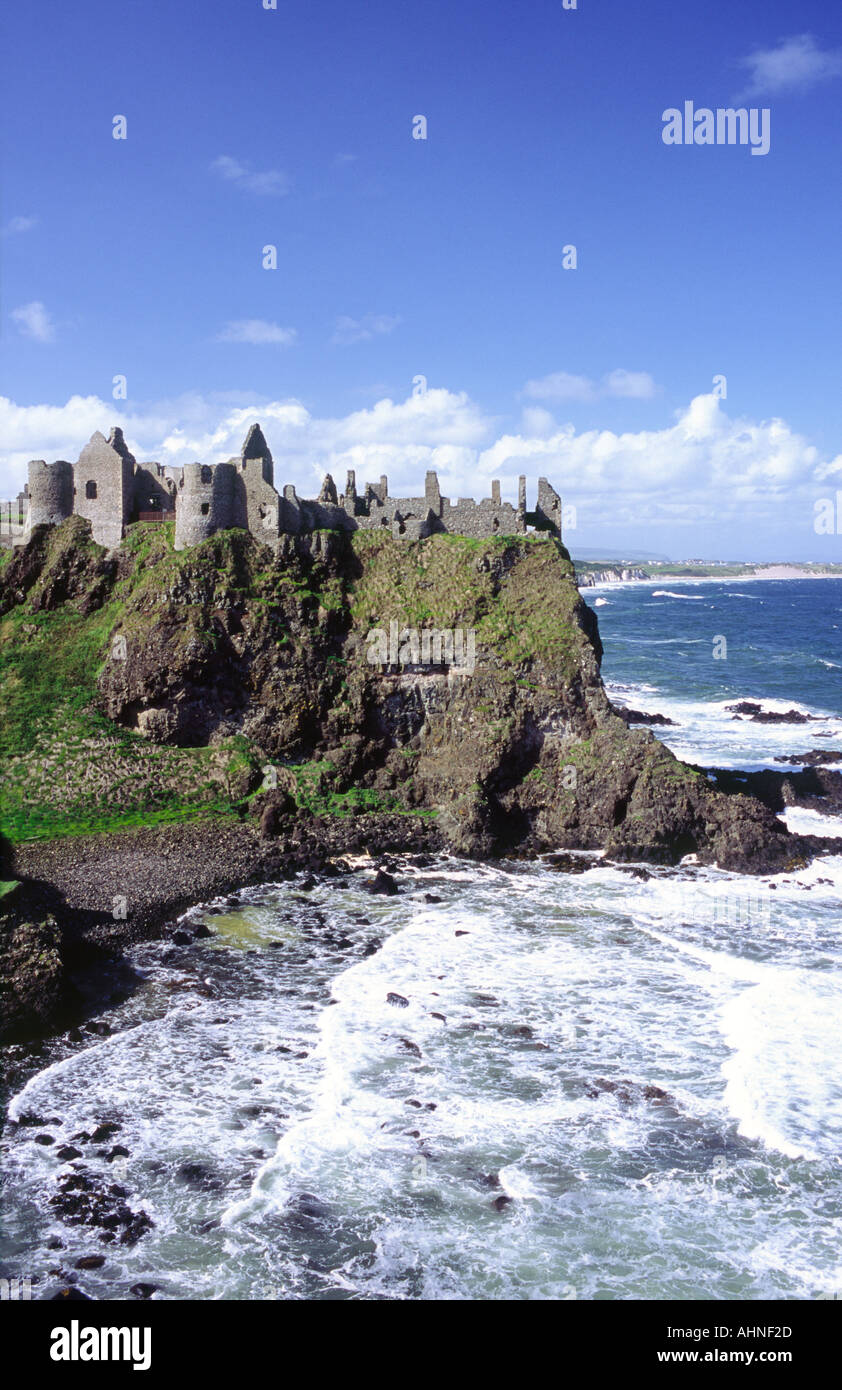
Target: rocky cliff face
{"points": [[227, 641]]}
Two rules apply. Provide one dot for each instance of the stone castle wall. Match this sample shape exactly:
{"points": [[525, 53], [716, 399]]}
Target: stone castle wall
{"points": [[111, 489], [104, 487]]}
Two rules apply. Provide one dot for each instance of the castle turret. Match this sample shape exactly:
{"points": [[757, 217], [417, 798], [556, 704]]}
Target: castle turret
{"points": [[50, 492], [204, 502]]}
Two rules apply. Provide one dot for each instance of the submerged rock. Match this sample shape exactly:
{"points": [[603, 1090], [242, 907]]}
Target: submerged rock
{"points": [[382, 883]]}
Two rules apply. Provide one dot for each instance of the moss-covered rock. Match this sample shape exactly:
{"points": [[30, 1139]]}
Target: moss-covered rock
{"points": [[32, 976]]}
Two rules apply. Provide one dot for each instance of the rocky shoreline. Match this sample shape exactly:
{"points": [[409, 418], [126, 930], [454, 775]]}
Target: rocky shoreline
{"points": [[82, 900]]}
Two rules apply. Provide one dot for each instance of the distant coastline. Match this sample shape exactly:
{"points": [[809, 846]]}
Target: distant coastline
{"points": [[590, 575]]}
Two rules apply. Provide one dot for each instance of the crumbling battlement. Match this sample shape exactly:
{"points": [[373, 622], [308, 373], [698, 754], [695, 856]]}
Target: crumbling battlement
{"points": [[109, 487]]}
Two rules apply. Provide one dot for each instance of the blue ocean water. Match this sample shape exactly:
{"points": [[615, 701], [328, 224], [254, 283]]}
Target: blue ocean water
{"points": [[689, 649]]}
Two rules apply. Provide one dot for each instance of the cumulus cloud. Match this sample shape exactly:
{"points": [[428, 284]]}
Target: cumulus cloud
{"points": [[565, 386], [19, 224], [268, 183], [349, 330], [701, 467], [33, 321], [256, 331], [796, 65]]}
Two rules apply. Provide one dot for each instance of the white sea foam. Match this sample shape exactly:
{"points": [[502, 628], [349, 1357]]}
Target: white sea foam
{"points": [[802, 821], [707, 732], [670, 593]]}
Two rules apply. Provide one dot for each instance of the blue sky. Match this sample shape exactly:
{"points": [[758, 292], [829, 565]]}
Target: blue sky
{"points": [[440, 257]]}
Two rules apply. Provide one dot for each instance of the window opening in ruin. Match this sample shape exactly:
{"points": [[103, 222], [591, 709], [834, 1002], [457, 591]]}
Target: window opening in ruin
{"points": [[90, 489]]}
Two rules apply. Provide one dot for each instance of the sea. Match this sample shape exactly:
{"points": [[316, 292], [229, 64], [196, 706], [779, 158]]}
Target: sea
{"points": [[509, 1082]]}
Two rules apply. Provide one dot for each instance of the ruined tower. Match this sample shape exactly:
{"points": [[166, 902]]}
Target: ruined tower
{"points": [[256, 504], [104, 487], [50, 492], [204, 502]]}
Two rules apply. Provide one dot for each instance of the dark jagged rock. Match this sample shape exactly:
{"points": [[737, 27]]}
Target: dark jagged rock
{"points": [[82, 1199], [278, 807], [567, 863], [198, 1175], [382, 883], [105, 1131], [627, 1092], [749, 710], [817, 757], [814, 788], [33, 978], [636, 716]]}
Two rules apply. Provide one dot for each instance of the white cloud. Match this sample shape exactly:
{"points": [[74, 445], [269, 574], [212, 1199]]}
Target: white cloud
{"points": [[796, 65], [702, 467], [350, 330], [19, 224], [564, 386], [33, 321], [269, 182], [634, 385], [256, 331]]}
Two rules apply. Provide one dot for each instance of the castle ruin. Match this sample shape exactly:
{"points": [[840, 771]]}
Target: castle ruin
{"points": [[112, 490]]}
